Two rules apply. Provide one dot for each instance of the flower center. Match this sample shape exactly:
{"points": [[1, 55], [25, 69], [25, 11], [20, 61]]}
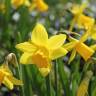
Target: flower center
{"points": [[40, 59]]}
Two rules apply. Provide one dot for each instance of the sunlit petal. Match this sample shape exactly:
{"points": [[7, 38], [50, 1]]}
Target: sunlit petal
{"points": [[26, 58], [41, 5], [15, 81], [93, 47], [58, 53], [45, 71], [56, 41], [69, 46], [85, 21], [26, 47], [8, 83], [39, 35], [93, 36]]}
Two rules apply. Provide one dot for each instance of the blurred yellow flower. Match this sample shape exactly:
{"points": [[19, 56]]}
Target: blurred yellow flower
{"points": [[2, 7], [77, 10], [18, 3], [91, 32], [80, 19], [85, 21], [40, 50], [83, 88], [39, 4], [85, 51], [78, 46], [6, 77]]}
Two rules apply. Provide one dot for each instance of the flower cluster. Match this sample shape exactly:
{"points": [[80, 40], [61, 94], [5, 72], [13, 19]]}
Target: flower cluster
{"points": [[42, 50]]}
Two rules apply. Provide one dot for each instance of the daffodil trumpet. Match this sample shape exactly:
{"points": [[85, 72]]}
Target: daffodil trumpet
{"points": [[79, 47]]}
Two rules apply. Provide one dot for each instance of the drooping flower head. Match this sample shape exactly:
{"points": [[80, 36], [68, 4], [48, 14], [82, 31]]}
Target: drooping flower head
{"points": [[6, 77], [78, 46], [41, 50]]}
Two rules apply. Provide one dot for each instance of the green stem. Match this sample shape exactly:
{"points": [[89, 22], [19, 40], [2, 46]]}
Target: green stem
{"points": [[22, 78], [72, 24], [48, 85], [86, 66], [63, 78], [56, 77]]}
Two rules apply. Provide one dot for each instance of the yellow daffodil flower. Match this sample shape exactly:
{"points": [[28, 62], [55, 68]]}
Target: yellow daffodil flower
{"points": [[39, 4], [89, 33], [18, 3], [77, 10], [40, 50], [85, 21], [79, 47], [6, 77], [80, 19]]}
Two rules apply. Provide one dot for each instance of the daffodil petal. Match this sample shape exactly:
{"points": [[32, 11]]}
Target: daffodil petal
{"points": [[69, 46], [27, 3], [85, 36], [85, 51], [15, 81], [73, 54], [93, 36], [75, 9], [93, 47], [8, 83], [39, 35], [58, 53], [26, 47], [32, 6], [85, 21], [17, 3], [56, 41], [41, 5], [26, 58], [83, 6], [78, 9], [45, 71]]}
